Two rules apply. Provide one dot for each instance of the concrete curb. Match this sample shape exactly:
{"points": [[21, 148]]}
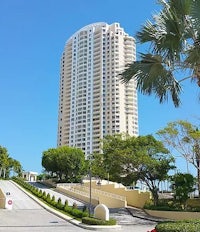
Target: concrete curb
{"points": [[63, 216]]}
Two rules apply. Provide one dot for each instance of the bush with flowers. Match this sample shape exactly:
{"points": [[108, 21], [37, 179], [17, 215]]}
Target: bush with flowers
{"points": [[154, 230]]}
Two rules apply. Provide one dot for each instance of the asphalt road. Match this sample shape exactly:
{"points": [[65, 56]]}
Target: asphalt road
{"points": [[27, 215]]}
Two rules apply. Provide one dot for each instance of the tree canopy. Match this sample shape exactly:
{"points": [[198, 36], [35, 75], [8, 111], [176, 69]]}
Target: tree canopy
{"points": [[7, 164], [184, 138], [67, 163], [129, 159], [182, 185]]}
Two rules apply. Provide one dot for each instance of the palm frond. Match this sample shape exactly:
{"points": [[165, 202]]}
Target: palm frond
{"points": [[193, 55], [180, 7], [148, 33], [195, 9], [152, 76], [174, 38], [129, 72], [165, 34]]}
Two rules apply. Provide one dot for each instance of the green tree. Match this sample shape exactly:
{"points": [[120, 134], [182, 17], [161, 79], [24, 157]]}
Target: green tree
{"points": [[7, 164], [4, 161], [184, 138], [67, 162], [71, 162], [154, 163], [97, 166], [129, 159], [16, 166], [174, 39], [49, 161], [182, 186], [120, 158]]}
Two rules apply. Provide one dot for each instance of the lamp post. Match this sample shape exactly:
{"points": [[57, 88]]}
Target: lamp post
{"points": [[90, 202], [90, 186]]}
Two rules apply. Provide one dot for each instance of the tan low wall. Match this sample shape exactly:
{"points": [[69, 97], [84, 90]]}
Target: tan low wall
{"points": [[109, 199], [78, 196], [112, 202], [96, 197], [173, 215], [134, 198], [2, 200], [113, 195], [193, 202]]}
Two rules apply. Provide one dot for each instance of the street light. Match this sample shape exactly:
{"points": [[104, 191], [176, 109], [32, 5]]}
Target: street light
{"points": [[90, 179], [90, 202]]}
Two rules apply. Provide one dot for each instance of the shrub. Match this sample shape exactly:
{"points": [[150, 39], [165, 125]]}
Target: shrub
{"points": [[35, 191], [164, 205], [44, 195], [67, 208], [95, 221], [59, 204], [40, 193], [53, 198], [179, 226], [85, 214], [183, 184], [77, 213], [84, 208], [74, 205], [48, 199], [53, 201], [66, 202]]}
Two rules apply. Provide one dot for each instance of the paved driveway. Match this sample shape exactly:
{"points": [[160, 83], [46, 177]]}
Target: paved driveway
{"points": [[29, 216]]}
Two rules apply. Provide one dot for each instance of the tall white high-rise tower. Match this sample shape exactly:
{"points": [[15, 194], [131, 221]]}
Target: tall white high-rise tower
{"points": [[93, 101]]}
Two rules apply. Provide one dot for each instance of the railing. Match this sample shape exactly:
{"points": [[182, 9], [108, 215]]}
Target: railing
{"points": [[71, 187], [111, 195]]}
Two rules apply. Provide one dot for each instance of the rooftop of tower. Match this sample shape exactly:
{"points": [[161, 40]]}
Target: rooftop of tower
{"points": [[97, 24]]}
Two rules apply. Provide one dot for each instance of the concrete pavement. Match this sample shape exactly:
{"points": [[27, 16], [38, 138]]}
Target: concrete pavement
{"points": [[127, 218]]}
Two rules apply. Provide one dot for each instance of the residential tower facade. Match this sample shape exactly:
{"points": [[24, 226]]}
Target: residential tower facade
{"points": [[93, 102]]}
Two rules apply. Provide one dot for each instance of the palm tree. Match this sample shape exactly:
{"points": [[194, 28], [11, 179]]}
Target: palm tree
{"points": [[4, 161], [174, 39], [16, 166]]}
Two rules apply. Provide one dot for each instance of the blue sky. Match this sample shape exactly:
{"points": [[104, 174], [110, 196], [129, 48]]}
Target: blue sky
{"points": [[33, 35]]}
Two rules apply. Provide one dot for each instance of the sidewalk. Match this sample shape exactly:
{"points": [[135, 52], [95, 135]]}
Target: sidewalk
{"points": [[139, 213]]}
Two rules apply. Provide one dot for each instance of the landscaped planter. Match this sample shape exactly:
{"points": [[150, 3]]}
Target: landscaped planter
{"points": [[173, 215]]}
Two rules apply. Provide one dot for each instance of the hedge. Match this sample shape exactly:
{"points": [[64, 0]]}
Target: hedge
{"points": [[179, 226], [95, 221]]}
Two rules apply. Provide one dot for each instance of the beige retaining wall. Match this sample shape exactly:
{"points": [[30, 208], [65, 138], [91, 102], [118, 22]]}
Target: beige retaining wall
{"points": [[112, 202], [78, 195], [134, 198], [173, 215], [193, 202], [2, 200], [97, 196]]}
